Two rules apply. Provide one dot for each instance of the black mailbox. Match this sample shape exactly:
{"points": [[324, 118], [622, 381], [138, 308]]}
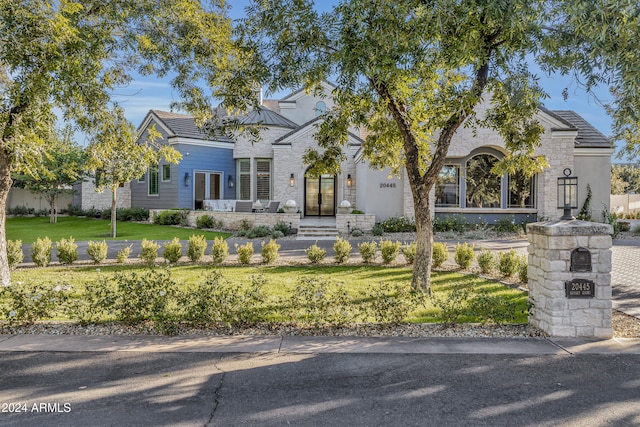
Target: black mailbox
{"points": [[581, 260]]}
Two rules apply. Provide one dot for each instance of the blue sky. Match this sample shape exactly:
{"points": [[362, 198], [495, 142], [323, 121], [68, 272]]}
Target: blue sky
{"points": [[148, 93]]}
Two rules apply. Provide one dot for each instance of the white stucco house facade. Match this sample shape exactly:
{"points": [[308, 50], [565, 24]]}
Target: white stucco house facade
{"points": [[273, 169]]}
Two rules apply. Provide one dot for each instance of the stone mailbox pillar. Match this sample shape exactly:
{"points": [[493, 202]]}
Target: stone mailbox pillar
{"points": [[570, 278]]}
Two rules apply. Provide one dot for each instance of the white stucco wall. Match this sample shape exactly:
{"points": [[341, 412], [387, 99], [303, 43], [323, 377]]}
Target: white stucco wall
{"points": [[590, 166], [379, 193]]}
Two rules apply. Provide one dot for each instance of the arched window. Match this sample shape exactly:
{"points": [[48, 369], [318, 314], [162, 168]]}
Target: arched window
{"points": [[483, 187], [321, 108]]}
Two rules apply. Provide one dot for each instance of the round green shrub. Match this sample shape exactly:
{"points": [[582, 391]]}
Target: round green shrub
{"points": [[409, 252], [67, 251], [172, 250], [245, 252], [464, 254], [439, 254], [486, 261], [367, 251], [389, 251], [342, 249], [14, 253], [149, 251], [97, 251], [269, 251], [197, 247], [315, 254], [508, 263], [219, 250]]}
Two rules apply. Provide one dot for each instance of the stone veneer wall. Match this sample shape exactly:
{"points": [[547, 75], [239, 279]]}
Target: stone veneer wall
{"points": [[233, 220], [364, 222], [550, 248], [87, 197]]}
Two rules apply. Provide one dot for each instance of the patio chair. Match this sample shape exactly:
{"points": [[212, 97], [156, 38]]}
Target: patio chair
{"points": [[273, 207], [244, 206]]}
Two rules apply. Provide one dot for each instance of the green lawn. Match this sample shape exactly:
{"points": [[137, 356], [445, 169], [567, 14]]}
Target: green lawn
{"points": [[83, 229], [358, 284]]}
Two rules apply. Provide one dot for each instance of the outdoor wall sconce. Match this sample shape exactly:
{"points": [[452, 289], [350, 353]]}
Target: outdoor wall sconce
{"points": [[292, 181], [349, 180], [230, 182], [187, 179], [567, 194]]}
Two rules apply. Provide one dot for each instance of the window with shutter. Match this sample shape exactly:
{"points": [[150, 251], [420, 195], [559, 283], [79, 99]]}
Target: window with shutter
{"points": [[263, 179], [244, 179]]}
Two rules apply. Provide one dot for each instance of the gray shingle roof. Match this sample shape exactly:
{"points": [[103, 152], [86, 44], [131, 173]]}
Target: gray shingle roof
{"points": [[588, 136], [184, 126], [278, 141]]}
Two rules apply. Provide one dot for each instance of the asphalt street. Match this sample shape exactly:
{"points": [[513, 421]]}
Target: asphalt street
{"points": [[323, 389]]}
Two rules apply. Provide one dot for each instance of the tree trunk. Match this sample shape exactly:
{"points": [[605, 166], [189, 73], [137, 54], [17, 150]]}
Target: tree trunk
{"points": [[421, 280], [53, 215], [5, 186], [113, 210]]}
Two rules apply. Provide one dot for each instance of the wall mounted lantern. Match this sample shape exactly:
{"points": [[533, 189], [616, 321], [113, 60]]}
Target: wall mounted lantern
{"points": [[567, 194], [292, 181], [230, 182], [187, 179], [349, 180]]}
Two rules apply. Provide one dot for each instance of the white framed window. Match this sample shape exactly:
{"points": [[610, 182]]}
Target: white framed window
{"points": [[263, 179], [244, 179], [166, 173]]}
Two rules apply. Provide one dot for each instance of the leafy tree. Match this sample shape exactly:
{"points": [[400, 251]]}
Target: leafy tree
{"points": [[413, 72], [71, 55], [116, 157], [625, 179], [61, 166]]}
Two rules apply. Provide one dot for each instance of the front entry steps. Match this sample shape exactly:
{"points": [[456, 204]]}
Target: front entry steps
{"points": [[317, 232]]}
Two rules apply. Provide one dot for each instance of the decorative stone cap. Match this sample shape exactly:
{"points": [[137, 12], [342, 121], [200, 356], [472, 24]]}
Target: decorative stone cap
{"points": [[574, 227]]}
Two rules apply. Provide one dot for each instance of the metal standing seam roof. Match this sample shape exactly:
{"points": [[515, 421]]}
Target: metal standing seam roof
{"points": [[588, 135], [265, 117], [184, 126]]}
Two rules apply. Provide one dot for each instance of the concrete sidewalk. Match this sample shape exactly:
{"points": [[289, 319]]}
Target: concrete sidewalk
{"points": [[316, 345]]}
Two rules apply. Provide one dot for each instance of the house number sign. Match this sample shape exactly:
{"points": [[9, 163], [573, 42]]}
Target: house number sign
{"points": [[387, 185], [579, 288]]}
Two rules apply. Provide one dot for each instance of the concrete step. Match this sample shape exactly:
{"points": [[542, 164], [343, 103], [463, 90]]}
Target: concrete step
{"points": [[317, 232]]}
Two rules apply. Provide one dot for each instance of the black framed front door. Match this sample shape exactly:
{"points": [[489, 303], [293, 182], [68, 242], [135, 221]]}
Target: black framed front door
{"points": [[320, 196]]}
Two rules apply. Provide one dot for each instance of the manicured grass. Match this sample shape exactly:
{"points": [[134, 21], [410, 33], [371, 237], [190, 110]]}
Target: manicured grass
{"points": [[358, 282], [83, 229]]}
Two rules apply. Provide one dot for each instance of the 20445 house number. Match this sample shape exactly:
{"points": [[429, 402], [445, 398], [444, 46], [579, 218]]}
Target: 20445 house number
{"points": [[579, 288], [387, 185]]}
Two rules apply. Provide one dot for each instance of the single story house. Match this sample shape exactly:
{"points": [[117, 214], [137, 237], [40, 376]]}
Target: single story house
{"points": [[216, 172]]}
